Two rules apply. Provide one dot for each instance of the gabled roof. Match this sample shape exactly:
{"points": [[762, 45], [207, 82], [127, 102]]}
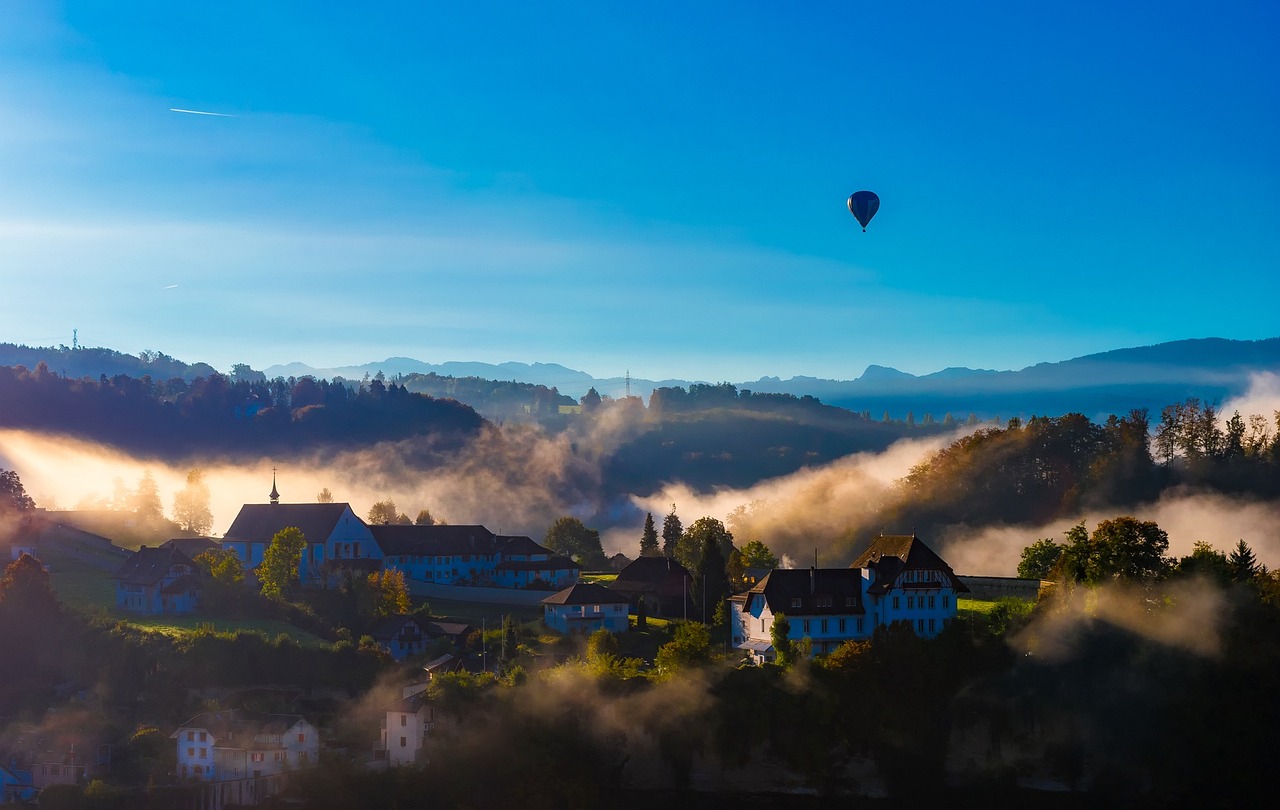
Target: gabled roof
{"points": [[389, 627], [891, 554], [586, 593], [431, 541], [649, 573], [186, 582], [508, 545], [820, 591], [553, 564], [233, 728], [259, 522], [192, 546], [455, 630], [149, 565]]}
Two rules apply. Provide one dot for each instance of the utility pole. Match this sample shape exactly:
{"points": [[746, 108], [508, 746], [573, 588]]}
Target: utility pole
{"points": [[75, 339]]}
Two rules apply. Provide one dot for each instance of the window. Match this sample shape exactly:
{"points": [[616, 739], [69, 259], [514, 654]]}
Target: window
{"points": [[946, 601], [850, 601], [824, 626], [302, 738], [204, 736], [191, 736], [859, 625], [842, 624], [199, 770], [257, 756], [302, 756], [795, 602], [279, 756], [896, 602], [404, 720], [931, 625], [806, 627], [931, 601], [824, 601], [204, 753], [919, 625], [911, 603], [191, 753], [404, 742]]}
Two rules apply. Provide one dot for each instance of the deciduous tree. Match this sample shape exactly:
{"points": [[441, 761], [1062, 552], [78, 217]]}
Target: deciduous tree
{"points": [[1039, 558], [383, 513], [191, 505], [570, 537], [279, 570]]}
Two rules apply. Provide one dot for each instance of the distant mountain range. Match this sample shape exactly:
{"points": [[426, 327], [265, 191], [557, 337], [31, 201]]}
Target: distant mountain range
{"points": [[1117, 381], [1213, 369]]}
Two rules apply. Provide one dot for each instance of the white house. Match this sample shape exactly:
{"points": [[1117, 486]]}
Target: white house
{"points": [[897, 579], [585, 608], [405, 729], [157, 581], [226, 746]]}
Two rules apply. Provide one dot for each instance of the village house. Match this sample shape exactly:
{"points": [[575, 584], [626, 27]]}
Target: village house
{"points": [[662, 584], [334, 535], [585, 608], [227, 746], [400, 636], [405, 728], [15, 784], [157, 581], [897, 579]]}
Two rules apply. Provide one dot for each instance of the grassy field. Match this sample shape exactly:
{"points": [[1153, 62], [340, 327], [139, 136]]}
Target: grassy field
{"points": [[598, 578], [476, 612], [182, 625]]}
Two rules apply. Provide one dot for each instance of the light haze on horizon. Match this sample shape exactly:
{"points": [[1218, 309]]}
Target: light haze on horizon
{"points": [[657, 189]]}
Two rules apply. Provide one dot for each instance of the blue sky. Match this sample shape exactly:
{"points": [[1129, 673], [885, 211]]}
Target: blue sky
{"points": [[655, 187]]}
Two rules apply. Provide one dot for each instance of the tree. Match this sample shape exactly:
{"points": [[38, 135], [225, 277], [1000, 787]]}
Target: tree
{"points": [[146, 499], [757, 555], [1244, 566], [390, 593], [13, 497], [570, 537], [191, 505], [690, 547], [784, 649], [590, 401], [424, 518], [649, 539], [690, 647], [1123, 548], [25, 592], [383, 513], [279, 569], [1039, 558], [223, 566], [1206, 561], [324, 496], [671, 531], [710, 581]]}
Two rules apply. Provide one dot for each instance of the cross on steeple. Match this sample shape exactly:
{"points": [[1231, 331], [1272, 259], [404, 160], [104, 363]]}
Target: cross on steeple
{"points": [[275, 496]]}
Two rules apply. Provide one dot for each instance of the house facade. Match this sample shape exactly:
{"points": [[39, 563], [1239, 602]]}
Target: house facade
{"points": [[662, 584], [405, 728], [897, 579], [332, 531], [472, 555], [585, 608], [158, 581], [401, 636], [227, 746]]}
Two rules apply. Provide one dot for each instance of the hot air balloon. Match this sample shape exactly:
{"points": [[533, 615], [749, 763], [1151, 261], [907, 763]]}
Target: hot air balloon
{"points": [[863, 205]]}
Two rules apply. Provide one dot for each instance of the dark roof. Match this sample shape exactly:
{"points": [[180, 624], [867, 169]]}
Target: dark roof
{"points": [[192, 546], [259, 522], [585, 593], [520, 545], [390, 627], [436, 629], [812, 586], [431, 541], [149, 565], [409, 705], [891, 554], [553, 564], [647, 573], [234, 728]]}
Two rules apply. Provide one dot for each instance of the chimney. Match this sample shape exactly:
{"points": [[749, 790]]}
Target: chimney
{"points": [[813, 579]]}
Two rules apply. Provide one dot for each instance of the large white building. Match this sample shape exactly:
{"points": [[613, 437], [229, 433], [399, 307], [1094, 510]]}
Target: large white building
{"points": [[227, 746], [897, 579]]}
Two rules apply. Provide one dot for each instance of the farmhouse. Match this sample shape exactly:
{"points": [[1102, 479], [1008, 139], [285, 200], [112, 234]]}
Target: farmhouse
{"points": [[157, 581], [404, 729], [585, 608], [661, 583], [897, 579]]}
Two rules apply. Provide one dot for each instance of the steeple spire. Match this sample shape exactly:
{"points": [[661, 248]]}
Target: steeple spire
{"points": [[275, 496]]}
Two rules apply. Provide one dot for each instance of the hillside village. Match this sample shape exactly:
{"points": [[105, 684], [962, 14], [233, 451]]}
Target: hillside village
{"points": [[223, 670]]}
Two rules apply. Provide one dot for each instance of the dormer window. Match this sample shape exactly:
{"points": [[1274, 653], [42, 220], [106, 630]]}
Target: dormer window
{"points": [[795, 601]]}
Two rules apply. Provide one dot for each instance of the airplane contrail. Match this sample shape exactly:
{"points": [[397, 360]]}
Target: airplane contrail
{"points": [[202, 112], [170, 287]]}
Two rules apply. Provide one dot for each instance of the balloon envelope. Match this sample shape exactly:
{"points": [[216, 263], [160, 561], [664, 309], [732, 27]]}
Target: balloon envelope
{"points": [[863, 205]]}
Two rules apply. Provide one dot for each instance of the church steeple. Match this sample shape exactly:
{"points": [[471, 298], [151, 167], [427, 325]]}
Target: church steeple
{"points": [[275, 496]]}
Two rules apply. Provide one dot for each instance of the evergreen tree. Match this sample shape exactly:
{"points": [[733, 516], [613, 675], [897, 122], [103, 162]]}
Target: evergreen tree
{"points": [[191, 505], [710, 581], [649, 539], [324, 496], [671, 531], [1244, 566], [424, 518], [146, 499]]}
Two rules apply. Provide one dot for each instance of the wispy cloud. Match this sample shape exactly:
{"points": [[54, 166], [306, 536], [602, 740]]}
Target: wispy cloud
{"points": [[202, 112]]}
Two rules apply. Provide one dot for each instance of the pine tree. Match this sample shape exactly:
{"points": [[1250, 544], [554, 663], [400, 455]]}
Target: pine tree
{"points": [[1244, 566], [649, 539], [672, 528], [710, 582]]}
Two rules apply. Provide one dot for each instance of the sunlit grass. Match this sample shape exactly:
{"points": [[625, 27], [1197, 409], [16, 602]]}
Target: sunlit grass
{"points": [[178, 626]]}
